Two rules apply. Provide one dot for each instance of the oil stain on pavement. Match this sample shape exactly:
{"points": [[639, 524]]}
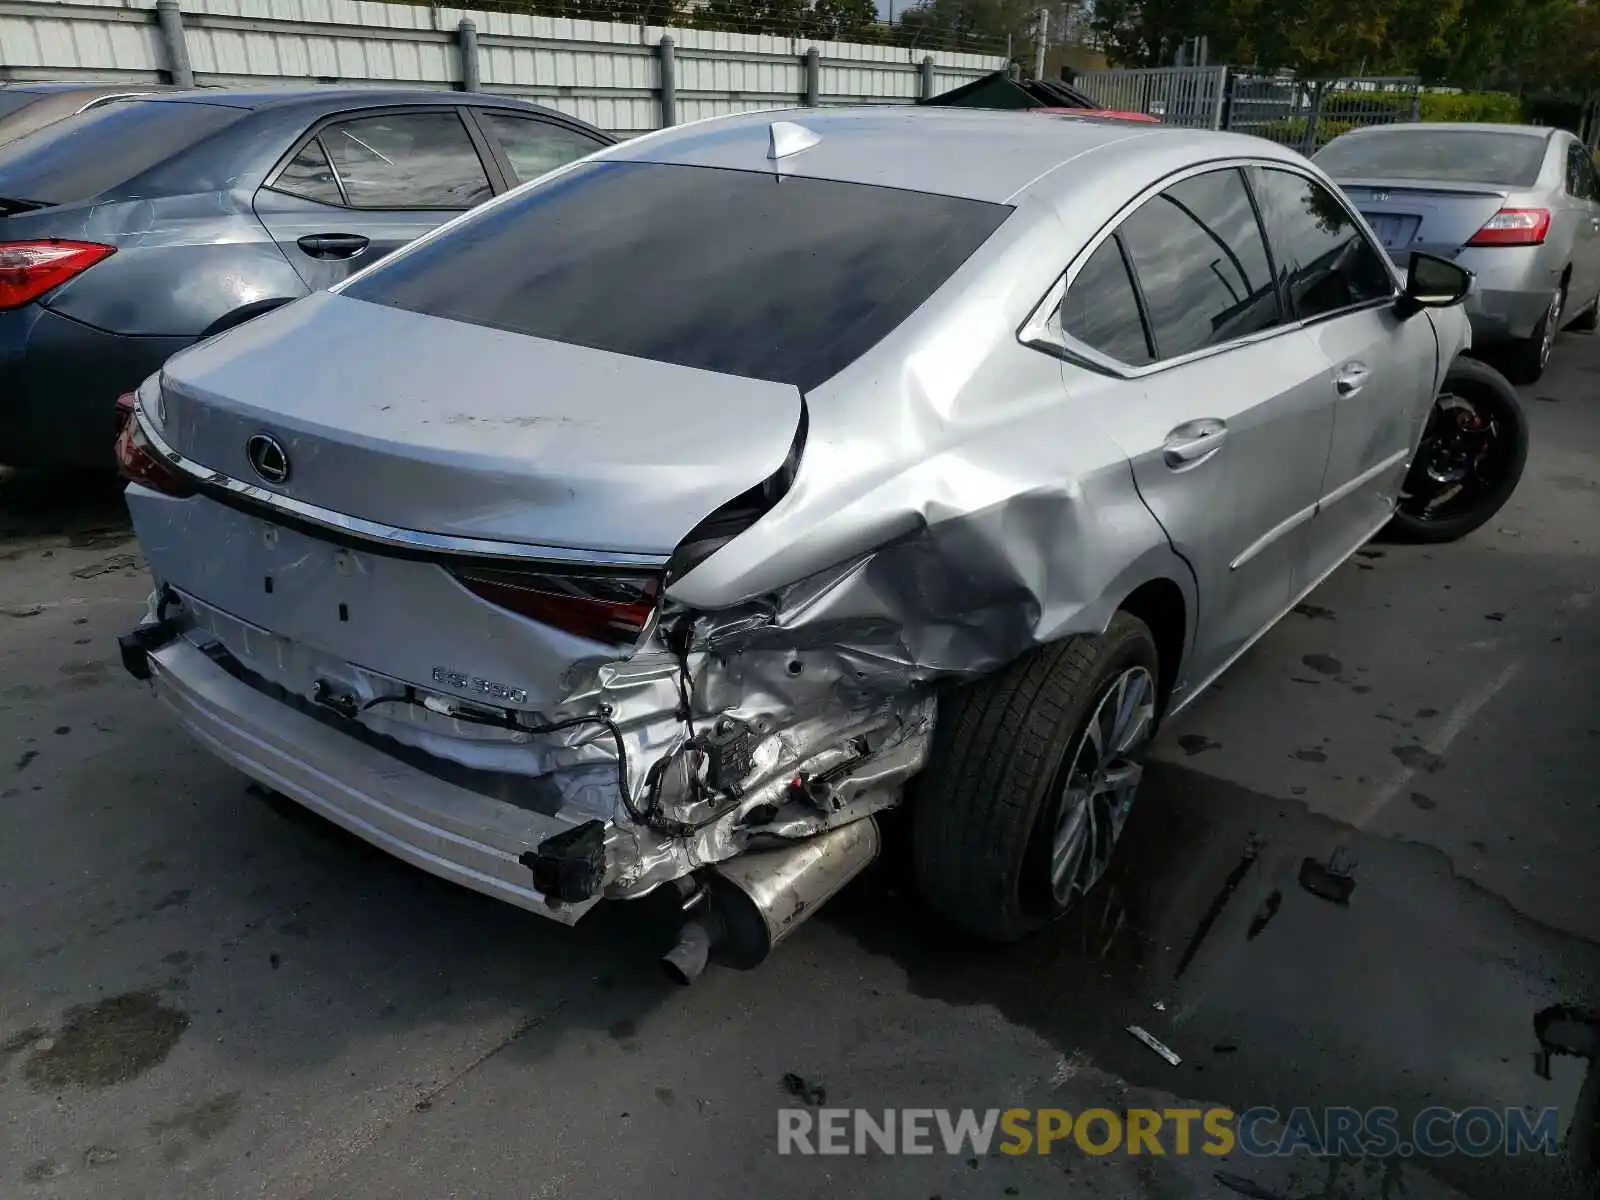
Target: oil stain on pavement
{"points": [[105, 1043]]}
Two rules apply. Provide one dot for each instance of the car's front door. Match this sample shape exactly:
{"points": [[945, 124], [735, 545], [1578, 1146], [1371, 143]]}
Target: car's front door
{"points": [[1224, 420], [1380, 366], [364, 185]]}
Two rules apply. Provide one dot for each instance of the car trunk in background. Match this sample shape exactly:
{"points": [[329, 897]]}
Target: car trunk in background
{"points": [[1433, 217]]}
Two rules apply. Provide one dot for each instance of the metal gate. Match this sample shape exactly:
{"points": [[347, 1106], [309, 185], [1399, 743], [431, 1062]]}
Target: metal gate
{"points": [[1191, 96], [1307, 114]]}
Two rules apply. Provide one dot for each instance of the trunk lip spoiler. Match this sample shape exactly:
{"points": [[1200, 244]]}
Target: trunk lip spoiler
{"points": [[389, 539]]}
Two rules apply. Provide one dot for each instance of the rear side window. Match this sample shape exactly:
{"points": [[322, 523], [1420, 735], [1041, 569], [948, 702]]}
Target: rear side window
{"points": [[783, 279], [1578, 172], [1101, 310], [310, 176], [89, 154], [1201, 264], [406, 160], [1459, 155], [1326, 262], [533, 146]]}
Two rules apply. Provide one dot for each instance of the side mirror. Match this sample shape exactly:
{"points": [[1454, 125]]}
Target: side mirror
{"points": [[1433, 282]]}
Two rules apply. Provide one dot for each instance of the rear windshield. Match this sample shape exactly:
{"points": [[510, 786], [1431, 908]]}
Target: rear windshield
{"points": [[1457, 155], [11, 101], [87, 155], [738, 272]]}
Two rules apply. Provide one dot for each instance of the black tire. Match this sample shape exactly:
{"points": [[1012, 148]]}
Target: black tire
{"points": [[1525, 360], [998, 757], [1494, 397]]}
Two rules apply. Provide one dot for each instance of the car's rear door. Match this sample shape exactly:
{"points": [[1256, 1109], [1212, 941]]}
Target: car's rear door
{"points": [[1380, 367], [1224, 415], [360, 185], [1580, 203]]}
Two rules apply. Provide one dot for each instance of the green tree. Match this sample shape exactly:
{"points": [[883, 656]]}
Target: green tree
{"points": [[845, 20]]}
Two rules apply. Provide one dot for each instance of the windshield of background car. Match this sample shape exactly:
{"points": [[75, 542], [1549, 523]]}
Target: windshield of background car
{"points": [[739, 272], [87, 155], [1457, 155]]}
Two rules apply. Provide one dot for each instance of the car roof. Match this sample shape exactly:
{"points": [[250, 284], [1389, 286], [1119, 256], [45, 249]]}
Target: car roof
{"points": [[51, 87], [1457, 126], [333, 96], [978, 154]]}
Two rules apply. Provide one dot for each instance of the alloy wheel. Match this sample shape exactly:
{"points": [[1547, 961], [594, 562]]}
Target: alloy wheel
{"points": [[1102, 778]]}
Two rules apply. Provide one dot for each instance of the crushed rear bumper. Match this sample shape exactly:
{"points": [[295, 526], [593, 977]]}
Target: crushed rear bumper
{"points": [[448, 831]]}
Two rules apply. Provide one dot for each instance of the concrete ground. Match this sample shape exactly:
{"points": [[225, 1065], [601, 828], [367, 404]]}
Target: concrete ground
{"points": [[204, 993]]}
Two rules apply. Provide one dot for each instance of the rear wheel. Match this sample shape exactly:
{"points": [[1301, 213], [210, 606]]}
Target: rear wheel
{"points": [[1527, 359], [1470, 460], [1031, 778]]}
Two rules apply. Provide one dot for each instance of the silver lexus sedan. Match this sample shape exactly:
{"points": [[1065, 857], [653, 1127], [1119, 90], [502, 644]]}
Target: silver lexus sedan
{"points": [[1517, 206], [667, 518]]}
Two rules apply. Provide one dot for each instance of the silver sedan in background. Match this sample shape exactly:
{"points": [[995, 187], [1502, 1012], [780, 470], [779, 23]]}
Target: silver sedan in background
{"points": [[665, 520], [1518, 206]]}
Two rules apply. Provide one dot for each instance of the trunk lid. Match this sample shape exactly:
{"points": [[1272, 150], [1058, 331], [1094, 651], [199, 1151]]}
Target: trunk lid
{"points": [[1436, 217], [441, 427]]}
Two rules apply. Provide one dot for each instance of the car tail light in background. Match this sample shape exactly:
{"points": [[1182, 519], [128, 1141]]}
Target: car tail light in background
{"points": [[30, 269], [137, 461], [603, 608], [1514, 227]]}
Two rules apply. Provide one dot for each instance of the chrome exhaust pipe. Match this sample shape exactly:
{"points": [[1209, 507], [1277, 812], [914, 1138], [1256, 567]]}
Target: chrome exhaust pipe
{"points": [[754, 901]]}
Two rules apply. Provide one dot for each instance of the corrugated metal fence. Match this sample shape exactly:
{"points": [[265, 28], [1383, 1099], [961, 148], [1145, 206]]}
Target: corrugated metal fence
{"points": [[622, 77], [1303, 113]]}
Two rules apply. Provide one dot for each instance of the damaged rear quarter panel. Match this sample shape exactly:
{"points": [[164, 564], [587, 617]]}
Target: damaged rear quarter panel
{"points": [[956, 504]]}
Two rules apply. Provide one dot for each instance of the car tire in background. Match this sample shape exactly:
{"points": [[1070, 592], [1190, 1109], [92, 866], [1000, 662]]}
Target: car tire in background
{"points": [[1014, 758], [1526, 359], [1476, 441]]}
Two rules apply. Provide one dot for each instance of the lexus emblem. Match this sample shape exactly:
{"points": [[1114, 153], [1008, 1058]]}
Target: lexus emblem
{"points": [[1380, 197], [267, 458]]}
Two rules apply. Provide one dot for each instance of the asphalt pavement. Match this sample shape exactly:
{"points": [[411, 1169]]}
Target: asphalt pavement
{"points": [[1362, 871]]}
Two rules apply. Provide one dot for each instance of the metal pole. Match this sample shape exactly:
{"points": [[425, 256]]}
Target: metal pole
{"points": [[467, 43], [170, 17], [1040, 34], [813, 77], [926, 70], [1217, 115], [669, 82]]}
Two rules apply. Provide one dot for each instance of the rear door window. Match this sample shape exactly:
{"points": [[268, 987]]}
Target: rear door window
{"points": [[1101, 309], [310, 176], [406, 160], [1324, 260], [534, 147], [1577, 174], [740, 272], [88, 155], [1201, 264]]}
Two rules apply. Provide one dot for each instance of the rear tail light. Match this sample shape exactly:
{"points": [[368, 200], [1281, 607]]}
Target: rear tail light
{"points": [[137, 461], [30, 269], [1514, 227], [602, 608]]}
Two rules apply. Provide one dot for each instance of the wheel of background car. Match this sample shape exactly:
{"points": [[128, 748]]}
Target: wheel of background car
{"points": [[1031, 777], [1526, 360], [1470, 460]]}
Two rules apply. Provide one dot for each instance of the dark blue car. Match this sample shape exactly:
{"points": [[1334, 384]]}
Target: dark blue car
{"points": [[137, 228]]}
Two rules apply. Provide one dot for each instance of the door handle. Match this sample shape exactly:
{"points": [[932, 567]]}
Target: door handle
{"points": [[1190, 444], [333, 245], [1352, 377]]}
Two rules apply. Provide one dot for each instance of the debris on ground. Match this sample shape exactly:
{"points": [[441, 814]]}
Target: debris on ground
{"points": [[1149, 1039], [813, 1094]]}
